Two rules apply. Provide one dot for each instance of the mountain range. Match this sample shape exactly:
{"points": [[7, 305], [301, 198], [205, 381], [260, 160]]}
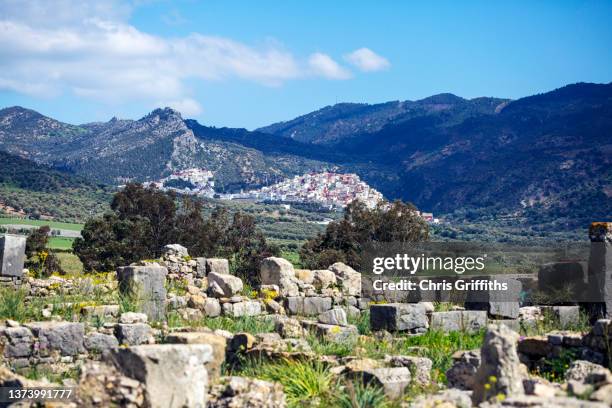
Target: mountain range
{"points": [[543, 158]]}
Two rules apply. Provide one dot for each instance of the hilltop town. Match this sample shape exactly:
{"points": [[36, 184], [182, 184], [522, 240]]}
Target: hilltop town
{"points": [[332, 190]]}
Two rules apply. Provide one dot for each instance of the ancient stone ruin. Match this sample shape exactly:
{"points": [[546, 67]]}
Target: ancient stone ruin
{"points": [[131, 353]]}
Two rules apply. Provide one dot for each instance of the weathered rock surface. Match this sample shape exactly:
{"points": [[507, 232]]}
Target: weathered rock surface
{"points": [[235, 392], [348, 278], [146, 285], [133, 334], [420, 367], [65, 337], [12, 255], [224, 285], [499, 360], [217, 342], [392, 380], [307, 306], [100, 342], [273, 269], [398, 317], [462, 373], [335, 316], [173, 375], [461, 320]]}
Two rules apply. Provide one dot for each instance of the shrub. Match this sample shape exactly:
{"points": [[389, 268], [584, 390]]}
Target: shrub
{"points": [[358, 395], [40, 259], [343, 240]]}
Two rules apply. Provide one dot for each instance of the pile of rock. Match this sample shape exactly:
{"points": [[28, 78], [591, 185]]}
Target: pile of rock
{"points": [[311, 292], [61, 343], [496, 375]]}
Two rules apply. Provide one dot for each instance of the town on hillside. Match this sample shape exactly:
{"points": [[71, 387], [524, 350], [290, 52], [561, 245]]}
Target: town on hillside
{"points": [[331, 190]]}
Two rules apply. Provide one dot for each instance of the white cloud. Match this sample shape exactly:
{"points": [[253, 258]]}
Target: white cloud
{"points": [[367, 60], [324, 65], [49, 48]]}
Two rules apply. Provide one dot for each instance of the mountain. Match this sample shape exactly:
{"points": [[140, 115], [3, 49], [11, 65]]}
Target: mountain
{"points": [[344, 120], [117, 151], [41, 191], [546, 157], [543, 160]]}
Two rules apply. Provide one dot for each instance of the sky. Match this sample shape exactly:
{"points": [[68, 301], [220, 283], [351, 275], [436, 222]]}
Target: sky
{"points": [[249, 64]]}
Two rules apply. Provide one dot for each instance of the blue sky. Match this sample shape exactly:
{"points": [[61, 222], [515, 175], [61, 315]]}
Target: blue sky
{"points": [[248, 64]]}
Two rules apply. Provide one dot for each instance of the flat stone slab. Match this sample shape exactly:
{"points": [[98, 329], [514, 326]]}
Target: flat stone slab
{"points": [[217, 342], [146, 285], [65, 337], [399, 317], [12, 255], [392, 380], [461, 320], [307, 306], [174, 375]]}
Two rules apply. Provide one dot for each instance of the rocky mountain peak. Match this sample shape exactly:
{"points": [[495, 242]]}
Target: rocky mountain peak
{"points": [[166, 113]]}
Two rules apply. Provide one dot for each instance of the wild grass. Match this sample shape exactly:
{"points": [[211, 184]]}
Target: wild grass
{"points": [[12, 304], [305, 383], [70, 263], [246, 324], [40, 372], [358, 395], [362, 322]]}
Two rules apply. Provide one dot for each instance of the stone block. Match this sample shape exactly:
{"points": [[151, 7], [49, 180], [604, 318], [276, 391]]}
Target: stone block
{"points": [[335, 316], [18, 342], [216, 265], [273, 269], [600, 269], [146, 286], [348, 279], [307, 306], [566, 316], [502, 304], [241, 309], [223, 285], [462, 373], [174, 375], [212, 307], [323, 279], [12, 255], [392, 380], [217, 342], [558, 275], [65, 337], [100, 343], [420, 367], [289, 328], [133, 334], [332, 333], [499, 359], [394, 317], [461, 320], [175, 250]]}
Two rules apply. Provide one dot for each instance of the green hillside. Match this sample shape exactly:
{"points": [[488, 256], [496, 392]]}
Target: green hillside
{"points": [[41, 191]]}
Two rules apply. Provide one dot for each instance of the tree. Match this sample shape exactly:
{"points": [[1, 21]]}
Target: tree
{"points": [[144, 220], [40, 259], [344, 239]]}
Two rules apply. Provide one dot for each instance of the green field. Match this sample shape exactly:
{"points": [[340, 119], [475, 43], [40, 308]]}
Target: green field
{"points": [[60, 243], [40, 223]]}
